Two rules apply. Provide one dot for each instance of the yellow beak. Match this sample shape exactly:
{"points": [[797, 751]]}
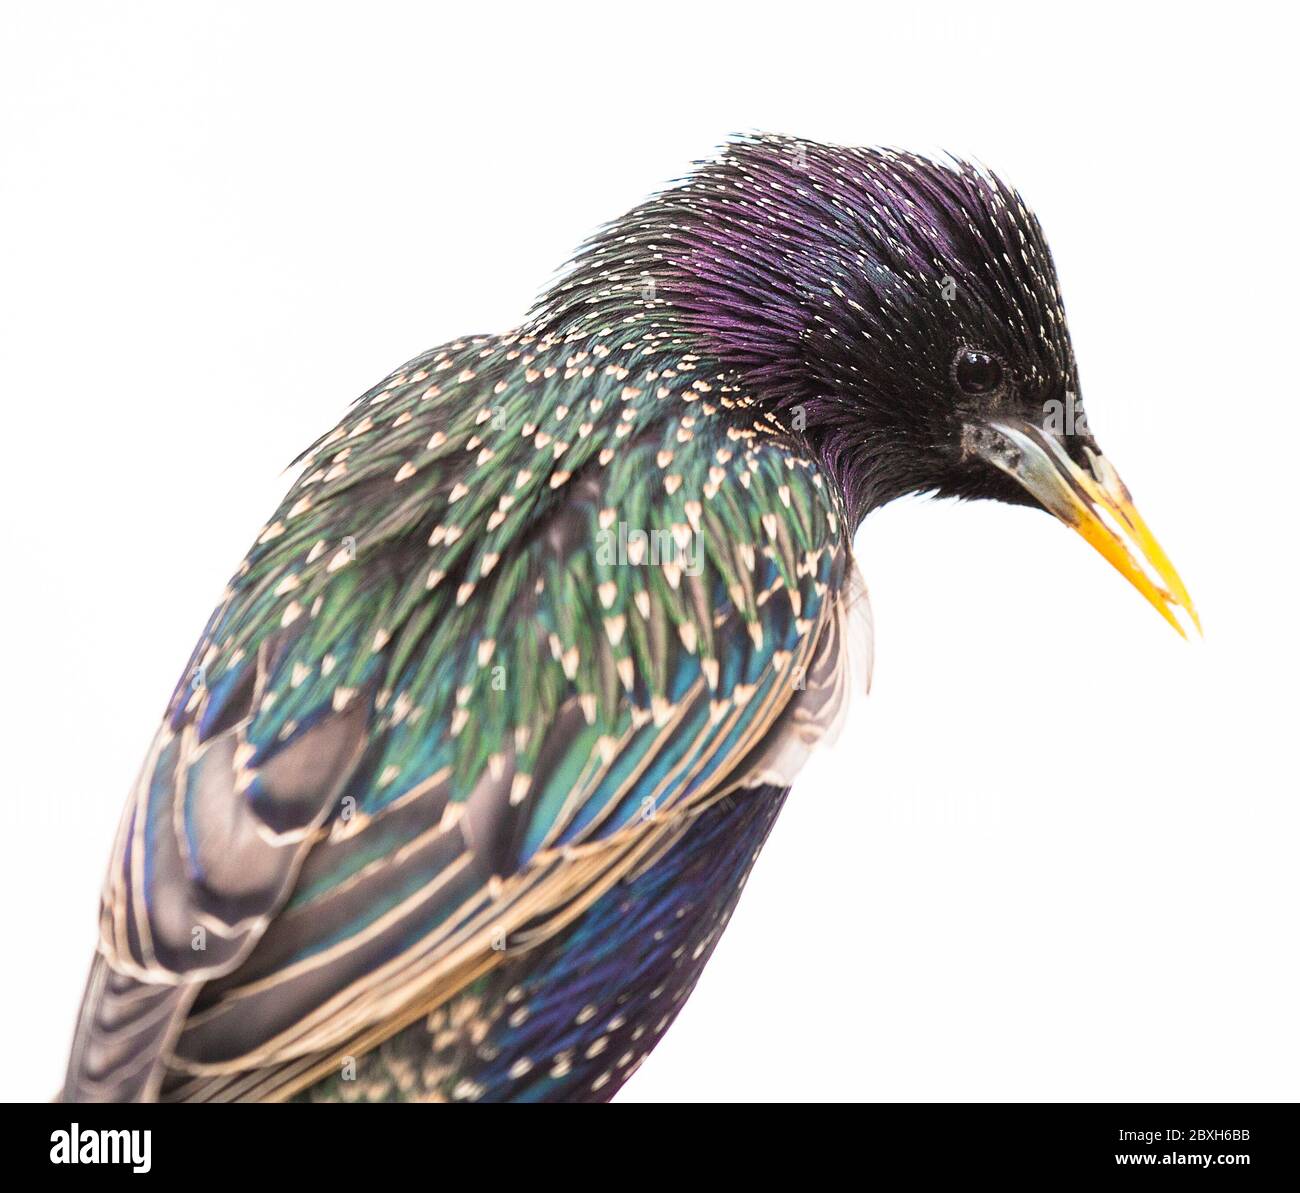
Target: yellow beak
{"points": [[1095, 502]]}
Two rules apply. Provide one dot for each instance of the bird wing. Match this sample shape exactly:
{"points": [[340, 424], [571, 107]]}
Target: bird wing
{"points": [[525, 610]]}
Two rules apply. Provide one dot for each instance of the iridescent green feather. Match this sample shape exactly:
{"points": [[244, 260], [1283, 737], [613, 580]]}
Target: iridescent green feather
{"points": [[552, 593]]}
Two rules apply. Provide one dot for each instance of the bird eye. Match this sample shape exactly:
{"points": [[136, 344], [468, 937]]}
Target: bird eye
{"points": [[978, 372]]}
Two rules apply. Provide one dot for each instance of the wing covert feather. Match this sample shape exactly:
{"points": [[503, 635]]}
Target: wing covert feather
{"points": [[477, 665]]}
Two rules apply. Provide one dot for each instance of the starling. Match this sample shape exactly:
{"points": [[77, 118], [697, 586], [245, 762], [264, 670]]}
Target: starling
{"points": [[465, 775]]}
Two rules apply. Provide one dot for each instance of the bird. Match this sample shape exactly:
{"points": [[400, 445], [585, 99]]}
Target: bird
{"points": [[466, 773]]}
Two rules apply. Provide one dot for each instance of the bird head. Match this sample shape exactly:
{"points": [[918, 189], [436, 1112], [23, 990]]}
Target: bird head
{"points": [[899, 312]]}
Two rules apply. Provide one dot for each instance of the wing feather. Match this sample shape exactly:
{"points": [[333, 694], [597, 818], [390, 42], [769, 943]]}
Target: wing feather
{"points": [[477, 669]]}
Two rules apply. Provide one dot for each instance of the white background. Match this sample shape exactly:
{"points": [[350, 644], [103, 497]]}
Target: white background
{"points": [[1054, 856]]}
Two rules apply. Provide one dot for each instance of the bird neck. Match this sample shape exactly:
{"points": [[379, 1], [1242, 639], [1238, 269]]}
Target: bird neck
{"points": [[662, 282]]}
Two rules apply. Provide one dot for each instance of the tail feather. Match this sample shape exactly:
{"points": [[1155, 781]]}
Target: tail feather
{"points": [[124, 1032]]}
